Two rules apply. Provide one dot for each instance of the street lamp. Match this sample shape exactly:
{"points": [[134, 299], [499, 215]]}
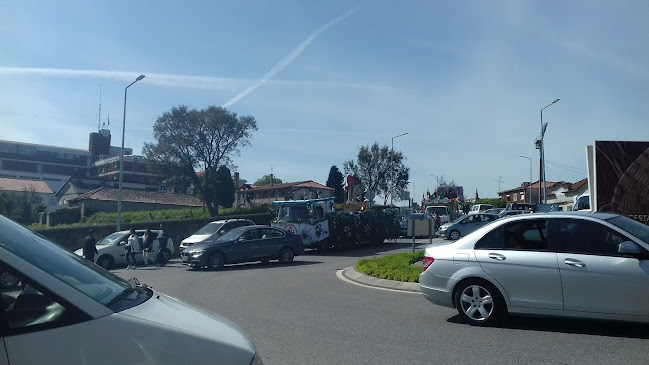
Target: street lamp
{"points": [[529, 158], [542, 153], [121, 159], [392, 167]]}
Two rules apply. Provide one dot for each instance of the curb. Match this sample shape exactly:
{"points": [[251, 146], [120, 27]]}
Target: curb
{"points": [[351, 275]]}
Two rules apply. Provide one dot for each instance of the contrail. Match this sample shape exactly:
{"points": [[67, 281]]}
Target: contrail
{"points": [[288, 59], [172, 80]]}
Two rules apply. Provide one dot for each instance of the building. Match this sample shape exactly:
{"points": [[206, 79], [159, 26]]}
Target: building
{"points": [[41, 191], [105, 200], [560, 192], [253, 195]]}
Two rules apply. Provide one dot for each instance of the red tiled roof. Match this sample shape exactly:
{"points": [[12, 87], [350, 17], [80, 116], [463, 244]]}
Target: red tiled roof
{"points": [[578, 184], [140, 196], [20, 185], [297, 184]]}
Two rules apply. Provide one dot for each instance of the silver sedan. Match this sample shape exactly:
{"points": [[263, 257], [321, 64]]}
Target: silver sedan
{"points": [[465, 225], [575, 264]]}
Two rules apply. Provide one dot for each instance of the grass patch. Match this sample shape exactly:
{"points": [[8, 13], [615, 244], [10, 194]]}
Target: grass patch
{"points": [[394, 267]]}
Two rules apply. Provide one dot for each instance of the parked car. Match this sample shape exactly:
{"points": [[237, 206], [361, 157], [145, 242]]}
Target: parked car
{"points": [[213, 231], [479, 208], [509, 213], [494, 210], [465, 225], [587, 265], [111, 250], [245, 244], [403, 226], [64, 302]]}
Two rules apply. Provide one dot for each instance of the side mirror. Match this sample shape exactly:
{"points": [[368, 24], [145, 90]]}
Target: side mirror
{"points": [[122, 243], [221, 232], [628, 247]]}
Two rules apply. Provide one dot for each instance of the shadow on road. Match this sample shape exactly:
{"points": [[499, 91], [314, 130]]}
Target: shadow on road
{"points": [[362, 251], [255, 266], [569, 325]]}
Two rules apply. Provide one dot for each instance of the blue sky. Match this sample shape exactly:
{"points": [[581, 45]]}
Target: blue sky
{"points": [[466, 80]]}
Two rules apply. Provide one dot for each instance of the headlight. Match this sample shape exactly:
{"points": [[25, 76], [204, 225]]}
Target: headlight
{"points": [[196, 253], [256, 360]]}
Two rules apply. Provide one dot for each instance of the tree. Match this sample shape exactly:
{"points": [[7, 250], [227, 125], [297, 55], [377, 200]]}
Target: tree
{"points": [[373, 167], [224, 187], [336, 181], [190, 140], [23, 208], [265, 180]]}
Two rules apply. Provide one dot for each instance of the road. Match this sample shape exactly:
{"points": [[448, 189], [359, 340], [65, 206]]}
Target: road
{"points": [[303, 314]]}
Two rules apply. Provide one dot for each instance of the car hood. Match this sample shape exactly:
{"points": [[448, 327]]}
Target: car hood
{"points": [[164, 310], [196, 238], [205, 245]]}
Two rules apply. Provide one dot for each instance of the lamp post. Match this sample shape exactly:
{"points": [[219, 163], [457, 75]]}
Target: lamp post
{"points": [[542, 154], [392, 167], [529, 158], [121, 159]]}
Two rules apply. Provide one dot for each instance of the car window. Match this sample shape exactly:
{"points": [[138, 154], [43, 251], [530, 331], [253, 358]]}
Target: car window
{"points": [[472, 219], [632, 226], [492, 240], [270, 233], [27, 308], [209, 228], [485, 218], [526, 235], [251, 234], [111, 239], [587, 237]]}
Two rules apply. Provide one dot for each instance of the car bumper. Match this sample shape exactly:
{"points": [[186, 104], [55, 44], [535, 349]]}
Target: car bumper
{"points": [[437, 296], [443, 233], [193, 261]]}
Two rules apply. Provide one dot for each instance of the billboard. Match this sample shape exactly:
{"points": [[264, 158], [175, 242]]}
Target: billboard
{"points": [[621, 185]]}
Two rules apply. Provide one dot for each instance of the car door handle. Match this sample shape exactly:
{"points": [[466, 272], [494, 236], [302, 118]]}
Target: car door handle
{"points": [[497, 256], [575, 263]]}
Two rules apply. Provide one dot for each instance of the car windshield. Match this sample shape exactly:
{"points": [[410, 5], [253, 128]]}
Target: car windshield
{"points": [[632, 226], [459, 219], [232, 234], [71, 269], [111, 239], [209, 228]]}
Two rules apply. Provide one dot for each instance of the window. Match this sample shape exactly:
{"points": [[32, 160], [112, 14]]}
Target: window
{"points": [[587, 237], [251, 234], [526, 235], [515, 196], [270, 233], [492, 240], [485, 218], [26, 308]]}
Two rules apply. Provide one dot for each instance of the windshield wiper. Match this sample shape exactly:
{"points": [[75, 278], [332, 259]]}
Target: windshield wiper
{"points": [[125, 293]]}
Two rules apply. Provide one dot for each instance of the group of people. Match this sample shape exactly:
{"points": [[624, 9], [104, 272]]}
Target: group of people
{"points": [[134, 245]]}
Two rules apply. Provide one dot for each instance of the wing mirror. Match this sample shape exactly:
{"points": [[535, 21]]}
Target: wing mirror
{"points": [[628, 247]]}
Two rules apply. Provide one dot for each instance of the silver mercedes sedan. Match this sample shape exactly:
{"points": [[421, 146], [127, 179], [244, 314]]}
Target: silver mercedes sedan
{"points": [[574, 264]]}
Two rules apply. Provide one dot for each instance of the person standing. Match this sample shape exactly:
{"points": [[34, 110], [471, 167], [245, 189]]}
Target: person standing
{"points": [[438, 221], [90, 247], [148, 247], [163, 238], [132, 246]]}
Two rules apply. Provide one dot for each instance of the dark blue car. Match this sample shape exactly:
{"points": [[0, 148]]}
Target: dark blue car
{"points": [[245, 244]]}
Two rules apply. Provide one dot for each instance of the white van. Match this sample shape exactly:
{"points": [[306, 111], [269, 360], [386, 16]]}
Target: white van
{"points": [[441, 210], [479, 208]]}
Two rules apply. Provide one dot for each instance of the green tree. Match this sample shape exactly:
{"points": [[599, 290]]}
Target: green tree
{"points": [[24, 207], [265, 180], [336, 181], [224, 187], [191, 140], [374, 167]]}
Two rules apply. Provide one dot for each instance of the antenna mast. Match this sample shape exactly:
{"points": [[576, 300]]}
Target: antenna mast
{"points": [[99, 121]]}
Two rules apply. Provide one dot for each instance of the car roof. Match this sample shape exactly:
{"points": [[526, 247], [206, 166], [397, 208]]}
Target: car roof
{"points": [[230, 220], [568, 214]]}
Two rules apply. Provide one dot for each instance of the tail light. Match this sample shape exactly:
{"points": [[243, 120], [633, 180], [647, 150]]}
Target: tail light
{"points": [[427, 261]]}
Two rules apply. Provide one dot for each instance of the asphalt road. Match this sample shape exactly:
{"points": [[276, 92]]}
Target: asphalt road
{"points": [[303, 314]]}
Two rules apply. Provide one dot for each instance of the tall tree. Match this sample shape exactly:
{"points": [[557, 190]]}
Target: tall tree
{"points": [[336, 181], [265, 180], [224, 187], [200, 140], [373, 165]]}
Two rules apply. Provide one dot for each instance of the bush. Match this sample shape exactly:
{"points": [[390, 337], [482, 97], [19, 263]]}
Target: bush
{"points": [[395, 267]]}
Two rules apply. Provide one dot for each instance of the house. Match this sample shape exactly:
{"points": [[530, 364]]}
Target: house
{"points": [[41, 190], [254, 195], [105, 200], [560, 192]]}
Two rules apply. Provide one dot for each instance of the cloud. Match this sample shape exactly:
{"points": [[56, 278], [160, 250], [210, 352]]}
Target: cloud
{"points": [[288, 59]]}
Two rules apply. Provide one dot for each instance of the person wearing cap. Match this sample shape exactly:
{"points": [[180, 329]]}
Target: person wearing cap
{"points": [[90, 247]]}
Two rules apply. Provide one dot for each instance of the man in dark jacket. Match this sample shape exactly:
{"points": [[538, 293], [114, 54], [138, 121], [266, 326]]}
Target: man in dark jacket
{"points": [[90, 248], [163, 237]]}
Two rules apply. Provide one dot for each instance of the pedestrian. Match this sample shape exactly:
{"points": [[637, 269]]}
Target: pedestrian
{"points": [[90, 247], [148, 247], [438, 221], [133, 245], [163, 238]]}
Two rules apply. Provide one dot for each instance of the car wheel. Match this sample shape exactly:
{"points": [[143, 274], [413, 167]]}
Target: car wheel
{"points": [[7, 280], [454, 235], [286, 255], [479, 303], [105, 261], [215, 261]]}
